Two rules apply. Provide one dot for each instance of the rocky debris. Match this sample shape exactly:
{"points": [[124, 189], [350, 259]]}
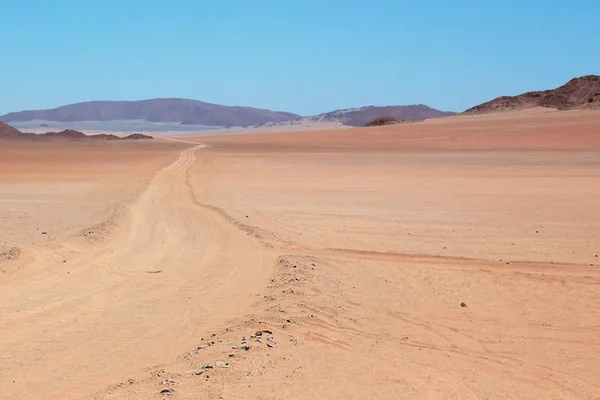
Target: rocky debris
{"points": [[159, 372], [463, 304], [170, 381], [11, 254], [244, 347], [294, 341], [167, 391]]}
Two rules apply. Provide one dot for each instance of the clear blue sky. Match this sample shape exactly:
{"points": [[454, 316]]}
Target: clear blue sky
{"points": [[304, 56]]}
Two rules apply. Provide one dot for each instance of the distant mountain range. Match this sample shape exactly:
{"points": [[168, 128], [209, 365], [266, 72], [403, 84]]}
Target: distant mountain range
{"points": [[184, 111], [8, 132], [193, 112], [362, 116], [578, 93]]}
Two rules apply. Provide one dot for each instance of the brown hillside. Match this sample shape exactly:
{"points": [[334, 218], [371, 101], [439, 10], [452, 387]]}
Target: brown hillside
{"points": [[7, 131], [384, 121], [578, 93]]}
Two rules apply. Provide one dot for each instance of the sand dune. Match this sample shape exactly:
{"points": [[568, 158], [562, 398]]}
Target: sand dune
{"points": [[455, 258]]}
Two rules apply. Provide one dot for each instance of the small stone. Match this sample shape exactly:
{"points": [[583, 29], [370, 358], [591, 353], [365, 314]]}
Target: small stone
{"points": [[170, 381], [463, 304], [159, 372], [244, 347], [294, 341], [195, 372], [44, 233], [221, 364], [258, 334], [167, 391], [207, 366]]}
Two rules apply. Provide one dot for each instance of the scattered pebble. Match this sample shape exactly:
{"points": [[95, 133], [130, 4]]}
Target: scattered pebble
{"points": [[195, 372], [463, 304], [167, 391]]}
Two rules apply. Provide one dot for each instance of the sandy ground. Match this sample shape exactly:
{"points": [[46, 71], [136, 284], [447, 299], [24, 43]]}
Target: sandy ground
{"points": [[326, 264]]}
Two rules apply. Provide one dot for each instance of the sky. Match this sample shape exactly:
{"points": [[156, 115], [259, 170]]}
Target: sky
{"points": [[307, 57]]}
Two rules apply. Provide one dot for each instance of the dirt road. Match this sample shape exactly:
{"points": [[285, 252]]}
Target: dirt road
{"points": [[82, 314]]}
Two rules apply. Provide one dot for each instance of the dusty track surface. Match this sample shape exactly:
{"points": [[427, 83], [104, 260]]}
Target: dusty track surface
{"points": [[331, 265], [79, 315]]}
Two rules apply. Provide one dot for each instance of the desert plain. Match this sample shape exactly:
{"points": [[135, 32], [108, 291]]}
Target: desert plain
{"points": [[457, 258]]}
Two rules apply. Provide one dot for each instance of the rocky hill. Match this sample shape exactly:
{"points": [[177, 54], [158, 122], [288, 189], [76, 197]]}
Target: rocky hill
{"points": [[185, 111], [364, 115], [8, 132], [578, 93], [384, 121]]}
